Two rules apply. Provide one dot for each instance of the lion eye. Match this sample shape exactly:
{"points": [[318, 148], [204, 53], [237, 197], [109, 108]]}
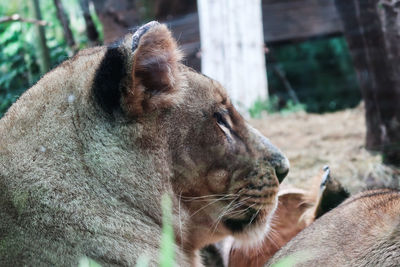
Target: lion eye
{"points": [[224, 125], [221, 119]]}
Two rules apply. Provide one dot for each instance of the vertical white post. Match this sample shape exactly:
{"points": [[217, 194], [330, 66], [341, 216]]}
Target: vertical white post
{"points": [[232, 48]]}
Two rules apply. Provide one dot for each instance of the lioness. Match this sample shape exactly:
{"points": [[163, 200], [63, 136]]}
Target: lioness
{"points": [[363, 231], [87, 153]]}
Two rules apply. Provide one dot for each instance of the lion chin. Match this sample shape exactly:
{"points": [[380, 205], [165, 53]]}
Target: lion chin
{"points": [[250, 231]]}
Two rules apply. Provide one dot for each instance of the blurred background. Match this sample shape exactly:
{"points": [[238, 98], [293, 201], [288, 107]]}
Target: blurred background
{"points": [[321, 78]]}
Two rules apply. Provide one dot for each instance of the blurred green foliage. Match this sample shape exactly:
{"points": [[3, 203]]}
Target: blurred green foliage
{"points": [[18, 58], [271, 105], [320, 72]]}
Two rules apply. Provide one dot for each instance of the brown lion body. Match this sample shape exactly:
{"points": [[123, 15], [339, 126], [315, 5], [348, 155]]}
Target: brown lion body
{"points": [[87, 153], [363, 231]]}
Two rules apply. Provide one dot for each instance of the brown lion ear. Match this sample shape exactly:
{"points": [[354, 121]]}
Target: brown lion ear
{"points": [[155, 71]]}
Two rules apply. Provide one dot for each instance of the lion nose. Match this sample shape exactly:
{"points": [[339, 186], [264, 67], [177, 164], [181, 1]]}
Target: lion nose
{"points": [[277, 159], [282, 168]]}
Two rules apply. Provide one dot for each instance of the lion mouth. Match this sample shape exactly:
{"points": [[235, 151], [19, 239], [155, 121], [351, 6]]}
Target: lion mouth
{"points": [[238, 225], [256, 206]]}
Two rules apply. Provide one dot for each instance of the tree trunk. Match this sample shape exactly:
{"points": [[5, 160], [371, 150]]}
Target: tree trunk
{"points": [[168, 9], [389, 14], [44, 55], [62, 17], [372, 30], [91, 31], [232, 48], [117, 17]]}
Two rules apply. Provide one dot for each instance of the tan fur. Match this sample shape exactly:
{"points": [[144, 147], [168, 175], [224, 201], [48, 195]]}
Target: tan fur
{"points": [[363, 231], [80, 178]]}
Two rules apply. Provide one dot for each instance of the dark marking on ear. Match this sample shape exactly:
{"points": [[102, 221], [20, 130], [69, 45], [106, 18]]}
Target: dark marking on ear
{"points": [[108, 80], [330, 200]]}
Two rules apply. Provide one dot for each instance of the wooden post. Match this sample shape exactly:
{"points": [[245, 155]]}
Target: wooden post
{"points": [[232, 48], [372, 30]]}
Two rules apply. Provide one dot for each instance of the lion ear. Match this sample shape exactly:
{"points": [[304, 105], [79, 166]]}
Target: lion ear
{"points": [[155, 71]]}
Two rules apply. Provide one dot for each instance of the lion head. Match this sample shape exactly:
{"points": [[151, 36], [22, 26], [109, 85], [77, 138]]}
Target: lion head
{"points": [[114, 128]]}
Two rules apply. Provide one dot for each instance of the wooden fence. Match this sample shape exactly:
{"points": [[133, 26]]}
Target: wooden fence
{"points": [[283, 21]]}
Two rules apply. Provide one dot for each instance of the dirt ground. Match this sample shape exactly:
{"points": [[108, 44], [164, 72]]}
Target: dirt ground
{"points": [[311, 141]]}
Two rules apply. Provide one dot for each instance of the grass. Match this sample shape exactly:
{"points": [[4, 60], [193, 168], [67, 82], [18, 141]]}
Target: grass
{"points": [[167, 239], [88, 262], [293, 259], [285, 262]]}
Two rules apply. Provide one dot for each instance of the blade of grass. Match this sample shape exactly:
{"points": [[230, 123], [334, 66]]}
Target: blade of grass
{"points": [[167, 238], [293, 259], [88, 262]]}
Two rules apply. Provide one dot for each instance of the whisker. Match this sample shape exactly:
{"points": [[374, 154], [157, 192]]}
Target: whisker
{"points": [[236, 213], [242, 211], [225, 211], [255, 215], [228, 210], [237, 205], [208, 199], [207, 196], [180, 220], [272, 234], [212, 202]]}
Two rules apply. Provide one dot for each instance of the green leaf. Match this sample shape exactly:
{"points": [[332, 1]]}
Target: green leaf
{"points": [[10, 33], [12, 48]]}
